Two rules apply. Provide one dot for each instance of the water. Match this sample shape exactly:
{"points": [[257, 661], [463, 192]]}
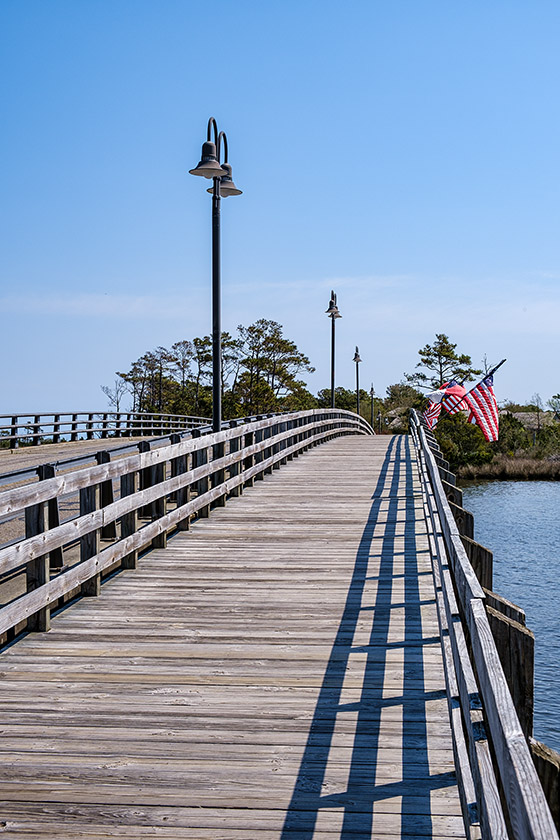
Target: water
{"points": [[520, 522]]}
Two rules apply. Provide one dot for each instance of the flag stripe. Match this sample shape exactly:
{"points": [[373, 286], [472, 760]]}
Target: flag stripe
{"points": [[484, 408], [453, 399], [431, 415]]}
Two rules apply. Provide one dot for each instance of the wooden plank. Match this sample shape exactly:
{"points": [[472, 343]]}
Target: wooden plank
{"points": [[277, 665]]}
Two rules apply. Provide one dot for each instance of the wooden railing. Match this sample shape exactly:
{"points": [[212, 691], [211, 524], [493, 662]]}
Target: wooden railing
{"points": [[39, 427], [126, 505], [500, 791]]}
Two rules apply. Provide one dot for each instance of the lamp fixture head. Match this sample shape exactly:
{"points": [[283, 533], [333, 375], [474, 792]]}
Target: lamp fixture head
{"points": [[209, 165], [332, 311], [227, 187], [356, 356]]}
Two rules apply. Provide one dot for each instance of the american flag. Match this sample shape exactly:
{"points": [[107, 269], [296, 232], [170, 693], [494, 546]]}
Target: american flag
{"points": [[431, 415], [484, 408], [453, 401]]}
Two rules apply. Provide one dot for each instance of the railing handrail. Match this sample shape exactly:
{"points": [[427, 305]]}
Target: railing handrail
{"points": [[148, 480], [488, 711], [68, 463], [97, 412], [36, 426]]}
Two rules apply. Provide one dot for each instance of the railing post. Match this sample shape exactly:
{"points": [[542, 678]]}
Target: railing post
{"points": [[14, 442], [180, 466], [218, 451], [104, 427], [89, 427], [235, 468], [74, 428], [36, 429], [149, 477], [290, 424], [282, 446], [259, 437], [89, 543], [249, 440], [45, 471], [160, 505], [38, 570], [129, 521], [109, 531], [56, 429], [200, 457]]}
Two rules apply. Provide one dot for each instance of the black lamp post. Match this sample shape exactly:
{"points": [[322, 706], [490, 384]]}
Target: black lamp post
{"points": [[379, 422], [357, 360], [220, 173], [371, 394], [333, 314]]}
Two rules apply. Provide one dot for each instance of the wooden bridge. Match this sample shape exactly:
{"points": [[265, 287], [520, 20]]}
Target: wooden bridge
{"points": [[310, 660]]}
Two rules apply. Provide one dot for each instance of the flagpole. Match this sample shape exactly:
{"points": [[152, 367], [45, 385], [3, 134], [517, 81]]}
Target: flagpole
{"points": [[494, 369], [486, 375]]}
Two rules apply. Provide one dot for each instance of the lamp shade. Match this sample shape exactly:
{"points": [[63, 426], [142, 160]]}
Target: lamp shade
{"points": [[227, 187], [356, 356], [209, 165], [332, 311]]}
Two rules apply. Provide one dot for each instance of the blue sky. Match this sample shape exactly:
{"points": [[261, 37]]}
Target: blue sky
{"points": [[403, 153]]}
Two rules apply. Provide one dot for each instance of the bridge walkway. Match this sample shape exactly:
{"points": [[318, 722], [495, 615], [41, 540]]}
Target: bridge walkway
{"points": [[274, 673]]}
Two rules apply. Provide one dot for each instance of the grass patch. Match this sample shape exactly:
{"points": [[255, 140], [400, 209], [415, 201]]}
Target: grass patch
{"points": [[513, 467]]}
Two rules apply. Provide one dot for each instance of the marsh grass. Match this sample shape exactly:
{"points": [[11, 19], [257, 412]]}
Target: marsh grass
{"points": [[513, 467]]}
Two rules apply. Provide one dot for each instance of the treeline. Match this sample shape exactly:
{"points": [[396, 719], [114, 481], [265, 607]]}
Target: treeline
{"points": [[261, 371]]}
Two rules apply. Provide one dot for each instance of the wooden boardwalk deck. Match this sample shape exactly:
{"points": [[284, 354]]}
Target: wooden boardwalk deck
{"points": [[274, 673]]}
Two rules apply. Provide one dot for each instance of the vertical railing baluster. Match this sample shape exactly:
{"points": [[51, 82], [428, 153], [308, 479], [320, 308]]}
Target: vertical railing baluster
{"points": [[36, 430], [37, 571], [218, 451], [200, 457], [46, 471], [56, 429], [109, 531], [159, 507], [14, 442], [236, 467], [180, 466], [129, 521], [249, 461], [89, 543]]}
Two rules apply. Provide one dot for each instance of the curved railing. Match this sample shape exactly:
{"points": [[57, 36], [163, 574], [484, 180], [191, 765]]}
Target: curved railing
{"points": [[39, 427], [123, 506], [500, 791]]}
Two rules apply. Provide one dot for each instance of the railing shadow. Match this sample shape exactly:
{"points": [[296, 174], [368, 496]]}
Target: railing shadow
{"points": [[367, 777]]}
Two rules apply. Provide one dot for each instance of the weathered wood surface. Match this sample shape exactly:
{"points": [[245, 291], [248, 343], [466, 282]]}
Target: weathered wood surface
{"points": [[27, 458], [526, 808], [276, 672]]}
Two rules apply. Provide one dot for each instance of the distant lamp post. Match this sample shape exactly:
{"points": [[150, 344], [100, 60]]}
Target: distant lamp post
{"points": [[209, 166], [372, 395], [333, 314], [357, 360], [379, 422]]}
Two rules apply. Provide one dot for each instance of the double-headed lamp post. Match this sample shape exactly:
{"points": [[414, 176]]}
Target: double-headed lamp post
{"points": [[220, 173], [333, 314], [357, 360]]}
